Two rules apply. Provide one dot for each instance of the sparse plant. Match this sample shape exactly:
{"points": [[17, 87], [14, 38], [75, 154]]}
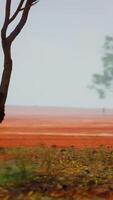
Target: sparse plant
{"points": [[71, 171]]}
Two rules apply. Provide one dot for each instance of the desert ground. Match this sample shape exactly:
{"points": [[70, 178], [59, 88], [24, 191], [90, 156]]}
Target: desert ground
{"points": [[32, 126]]}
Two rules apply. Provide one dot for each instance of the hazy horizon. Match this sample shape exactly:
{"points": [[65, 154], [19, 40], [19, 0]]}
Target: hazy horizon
{"points": [[14, 106]]}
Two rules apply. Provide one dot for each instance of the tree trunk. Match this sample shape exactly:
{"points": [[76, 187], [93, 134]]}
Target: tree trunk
{"points": [[5, 79]]}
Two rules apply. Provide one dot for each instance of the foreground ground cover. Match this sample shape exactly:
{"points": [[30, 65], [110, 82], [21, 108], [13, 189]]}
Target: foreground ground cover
{"points": [[48, 173]]}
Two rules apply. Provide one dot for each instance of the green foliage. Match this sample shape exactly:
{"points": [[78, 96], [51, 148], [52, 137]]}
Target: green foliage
{"points": [[103, 82]]}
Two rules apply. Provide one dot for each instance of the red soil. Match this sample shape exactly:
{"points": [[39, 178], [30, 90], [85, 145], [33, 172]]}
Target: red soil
{"points": [[60, 127]]}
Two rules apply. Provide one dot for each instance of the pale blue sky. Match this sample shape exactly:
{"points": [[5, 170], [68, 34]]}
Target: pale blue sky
{"points": [[58, 51]]}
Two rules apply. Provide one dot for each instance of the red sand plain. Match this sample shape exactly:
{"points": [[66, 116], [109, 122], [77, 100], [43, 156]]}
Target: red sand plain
{"points": [[32, 126]]}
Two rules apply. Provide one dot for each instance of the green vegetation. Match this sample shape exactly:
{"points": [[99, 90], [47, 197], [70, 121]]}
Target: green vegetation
{"points": [[45, 173], [103, 82]]}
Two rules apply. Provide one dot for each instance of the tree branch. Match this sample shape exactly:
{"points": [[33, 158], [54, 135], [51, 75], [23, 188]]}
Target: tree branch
{"points": [[33, 3], [17, 11], [22, 21], [7, 11], [6, 21]]}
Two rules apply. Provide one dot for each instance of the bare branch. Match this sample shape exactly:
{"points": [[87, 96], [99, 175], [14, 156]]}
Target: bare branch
{"points": [[17, 11], [7, 11], [33, 3], [20, 25], [6, 21], [22, 21]]}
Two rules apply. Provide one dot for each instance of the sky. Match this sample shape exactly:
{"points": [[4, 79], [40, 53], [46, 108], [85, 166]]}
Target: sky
{"points": [[57, 52]]}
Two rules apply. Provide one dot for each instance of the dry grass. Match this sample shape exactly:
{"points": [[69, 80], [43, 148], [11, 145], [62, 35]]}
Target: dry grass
{"points": [[45, 173]]}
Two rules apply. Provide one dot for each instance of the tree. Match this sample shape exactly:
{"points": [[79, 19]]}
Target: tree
{"points": [[23, 8], [103, 82]]}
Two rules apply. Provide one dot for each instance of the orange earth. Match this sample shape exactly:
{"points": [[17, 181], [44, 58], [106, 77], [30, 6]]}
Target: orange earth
{"points": [[31, 126]]}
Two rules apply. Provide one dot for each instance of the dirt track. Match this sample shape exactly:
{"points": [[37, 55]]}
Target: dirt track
{"points": [[64, 127]]}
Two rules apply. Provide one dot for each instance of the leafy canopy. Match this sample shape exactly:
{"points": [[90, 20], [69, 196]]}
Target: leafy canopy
{"points": [[103, 82]]}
